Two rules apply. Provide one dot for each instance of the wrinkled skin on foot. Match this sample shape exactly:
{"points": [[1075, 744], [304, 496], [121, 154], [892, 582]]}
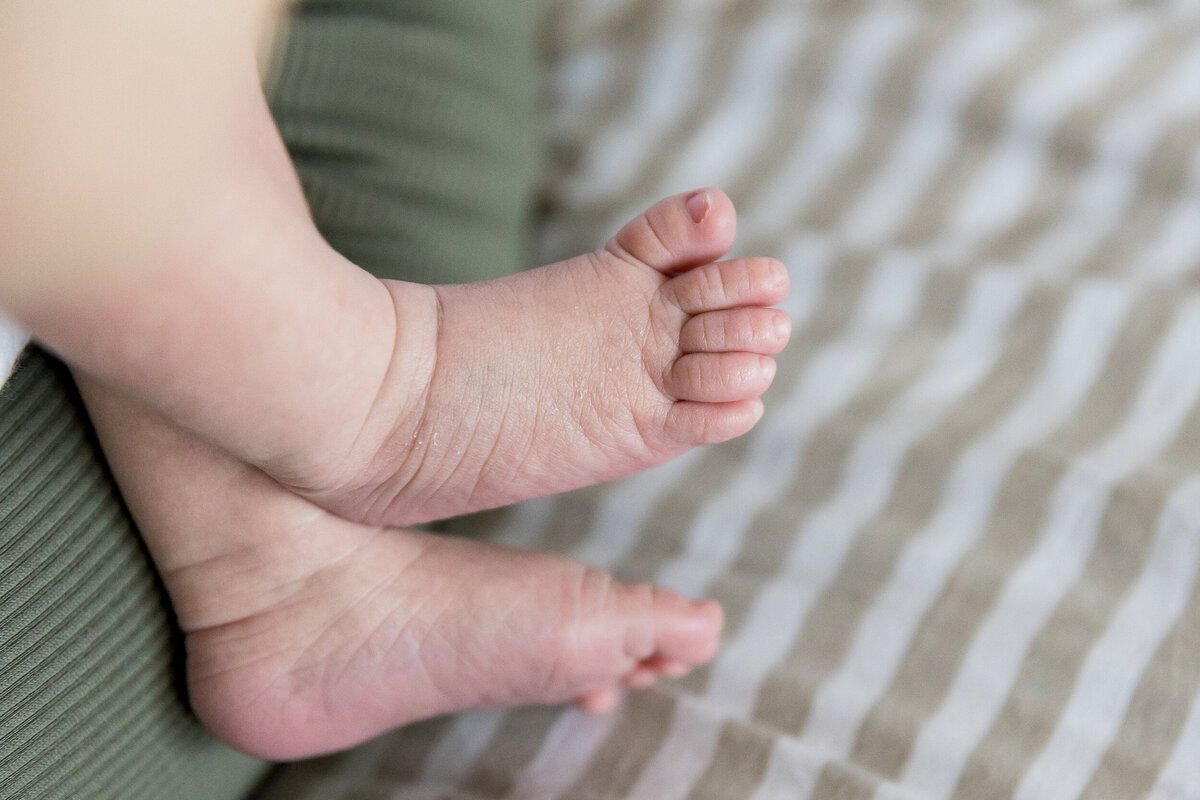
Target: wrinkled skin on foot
{"points": [[560, 377], [307, 633]]}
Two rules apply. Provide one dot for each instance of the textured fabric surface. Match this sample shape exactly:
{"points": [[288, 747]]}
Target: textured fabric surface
{"points": [[411, 123], [959, 555], [90, 703]]}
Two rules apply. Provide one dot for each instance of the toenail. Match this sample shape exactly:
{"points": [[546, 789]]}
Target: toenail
{"points": [[697, 206]]}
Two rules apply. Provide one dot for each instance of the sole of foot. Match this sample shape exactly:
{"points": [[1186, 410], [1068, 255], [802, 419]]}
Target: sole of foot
{"points": [[307, 633]]}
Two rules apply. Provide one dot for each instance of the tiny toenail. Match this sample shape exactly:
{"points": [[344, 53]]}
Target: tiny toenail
{"points": [[697, 206]]}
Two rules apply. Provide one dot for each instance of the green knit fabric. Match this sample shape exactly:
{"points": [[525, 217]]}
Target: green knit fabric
{"points": [[412, 125], [90, 702]]}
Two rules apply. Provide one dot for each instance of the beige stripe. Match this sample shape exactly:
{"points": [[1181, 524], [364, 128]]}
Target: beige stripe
{"points": [[841, 781], [738, 765], [887, 735], [668, 525], [638, 732], [1156, 714], [728, 31], [573, 515], [984, 121], [786, 697], [574, 224], [565, 31], [517, 740], [770, 536], [666, 530], [795, 106], [1165, 181], [1070, 149], [1048, 674], [570, 520], [578, 23], [402, 754], [894, 102]]}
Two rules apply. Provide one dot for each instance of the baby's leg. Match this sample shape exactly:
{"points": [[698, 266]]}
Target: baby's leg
{"points": [[307, 633], [392, 402]]}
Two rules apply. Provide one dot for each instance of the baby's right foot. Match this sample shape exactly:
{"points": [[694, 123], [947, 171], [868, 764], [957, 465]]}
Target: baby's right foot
{"points": [[560, 377], [307, 633]]}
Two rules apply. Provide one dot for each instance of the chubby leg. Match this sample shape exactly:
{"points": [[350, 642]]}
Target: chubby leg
{"points": [[307, 633], [392, 402]]}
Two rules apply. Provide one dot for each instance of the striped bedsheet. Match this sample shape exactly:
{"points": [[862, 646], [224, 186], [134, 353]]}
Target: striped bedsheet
{"points": [[959, 555]]}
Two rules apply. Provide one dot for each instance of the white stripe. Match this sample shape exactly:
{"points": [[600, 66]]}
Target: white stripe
{"points": [[619, 523], [889, 301], [1090, 321], [684, 755], [934, 133], [1123, 145], [667, 87], [995, 656], [620, 520], [840, 119], [736, 128], [565, 754], [831, 380], [821, 547], [12, 342], [793, 768], [1113, 668], [1003, 186], [1180, 776], [584, 77]]}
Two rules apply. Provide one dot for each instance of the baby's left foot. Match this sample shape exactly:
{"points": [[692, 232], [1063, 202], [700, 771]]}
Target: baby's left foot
{"points": [[578, 372], [306, 633]]}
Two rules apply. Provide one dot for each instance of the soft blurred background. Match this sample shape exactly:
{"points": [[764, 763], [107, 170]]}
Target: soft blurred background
{"points": [[959, 555]]}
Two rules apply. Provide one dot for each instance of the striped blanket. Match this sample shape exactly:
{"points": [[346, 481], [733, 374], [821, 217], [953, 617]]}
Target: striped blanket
{"points": [[959, 555]]}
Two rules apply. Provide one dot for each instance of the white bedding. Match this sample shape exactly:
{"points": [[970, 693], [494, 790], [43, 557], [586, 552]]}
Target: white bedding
{"points": [[12, 342]]}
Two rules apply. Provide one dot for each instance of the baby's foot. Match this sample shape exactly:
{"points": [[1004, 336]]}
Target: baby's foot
{"points": [[579, 372], [307, 633]]}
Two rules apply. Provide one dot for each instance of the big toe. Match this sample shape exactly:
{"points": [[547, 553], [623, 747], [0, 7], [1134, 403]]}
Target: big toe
{"points": [[663, 631], [663, 635], [680, 232]]}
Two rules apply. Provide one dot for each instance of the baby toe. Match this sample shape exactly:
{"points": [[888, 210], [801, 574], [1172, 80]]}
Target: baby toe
{"points": [[752, 329], [680, 232], [690, 633], [729, 284], [693, 423], [719, 377]]}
